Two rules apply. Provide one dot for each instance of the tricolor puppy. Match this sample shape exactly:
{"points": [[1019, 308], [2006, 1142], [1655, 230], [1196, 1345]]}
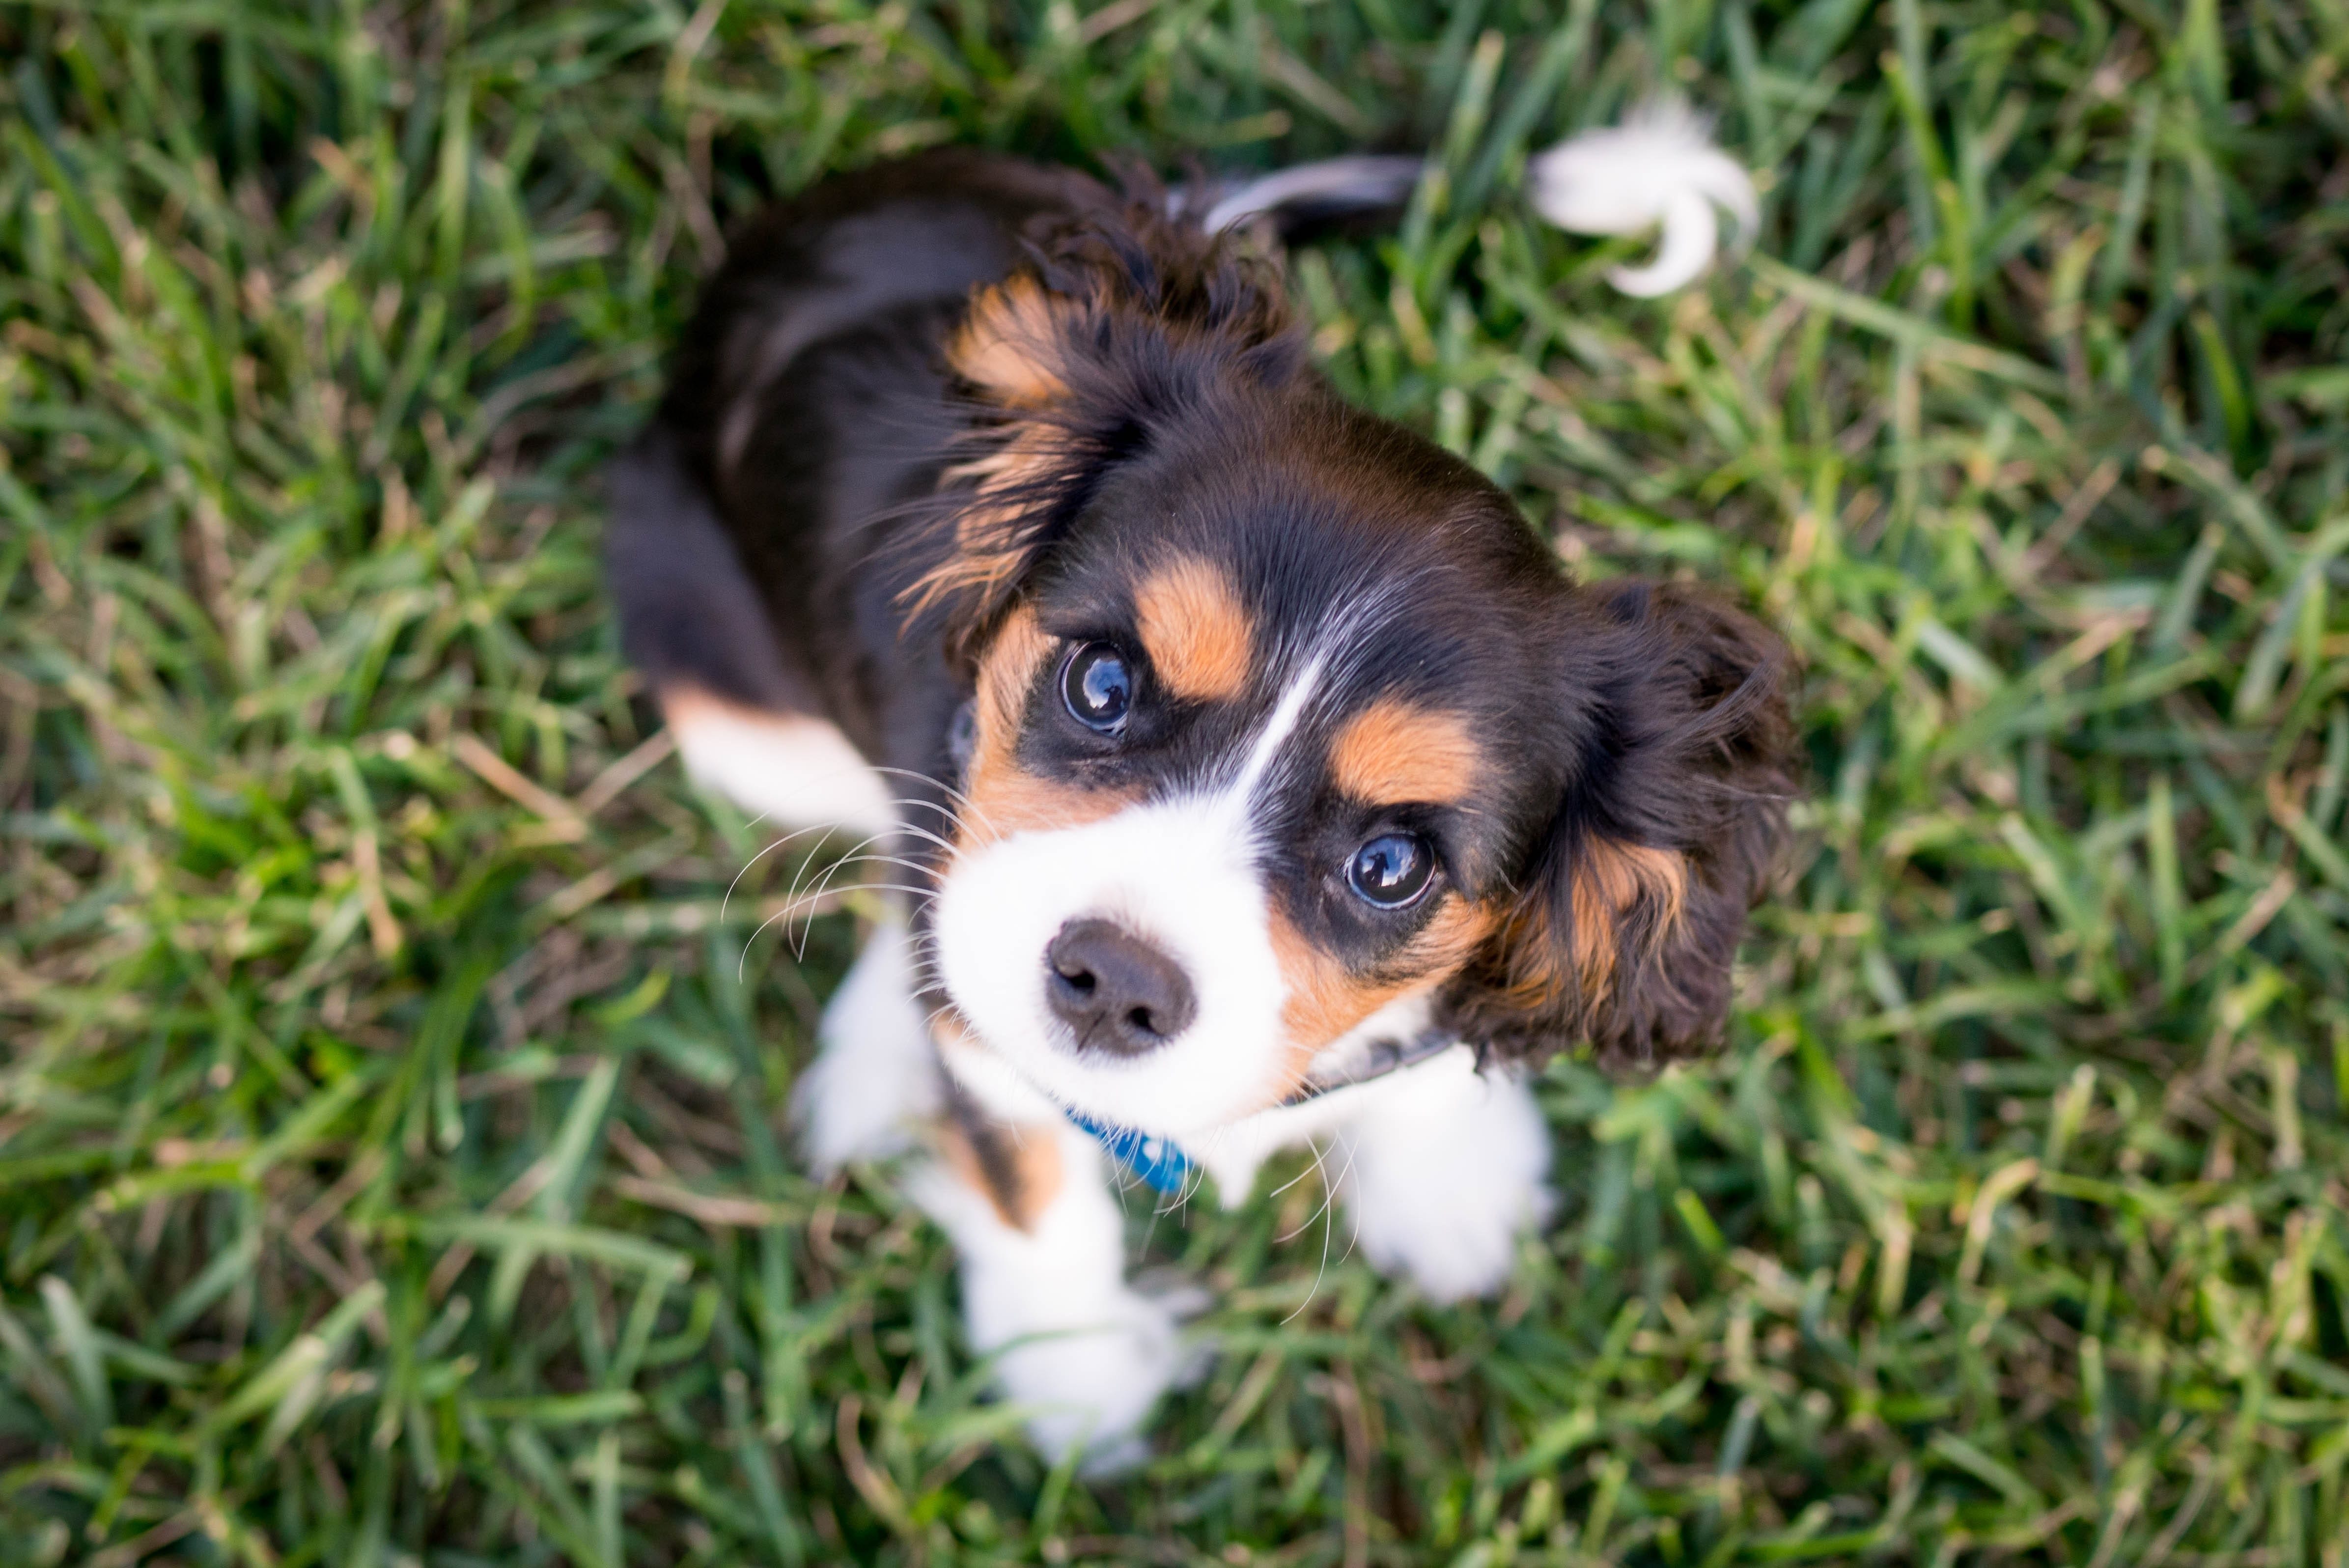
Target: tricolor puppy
{"points": [[1258, 776]]}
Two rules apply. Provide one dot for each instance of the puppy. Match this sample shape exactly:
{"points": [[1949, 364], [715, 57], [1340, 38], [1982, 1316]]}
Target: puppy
{"points": [[1255, 774]]}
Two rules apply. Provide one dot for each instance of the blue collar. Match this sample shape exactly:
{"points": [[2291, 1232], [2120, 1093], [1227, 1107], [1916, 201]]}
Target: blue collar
{"points": [[1162, 1167]]}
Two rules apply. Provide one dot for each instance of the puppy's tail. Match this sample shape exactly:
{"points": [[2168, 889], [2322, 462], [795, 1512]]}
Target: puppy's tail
{"points": [[1308, 195], [1658, 171]]}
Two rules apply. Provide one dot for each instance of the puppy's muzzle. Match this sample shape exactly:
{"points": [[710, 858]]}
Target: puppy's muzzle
{"points": [[1119, 994]]}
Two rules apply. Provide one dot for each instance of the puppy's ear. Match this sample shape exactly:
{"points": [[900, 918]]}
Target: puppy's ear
{"points": [[1629, 912], [1123, 319]]}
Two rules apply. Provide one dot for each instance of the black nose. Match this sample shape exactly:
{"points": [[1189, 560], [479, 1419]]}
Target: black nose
{"points": [[1115, 991]]}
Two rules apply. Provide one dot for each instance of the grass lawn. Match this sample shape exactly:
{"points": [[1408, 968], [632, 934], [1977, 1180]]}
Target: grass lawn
{"points": [[394, 1165]]}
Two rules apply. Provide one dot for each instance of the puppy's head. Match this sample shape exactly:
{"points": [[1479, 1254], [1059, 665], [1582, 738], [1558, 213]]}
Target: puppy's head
{"points": [[1288, 727]]}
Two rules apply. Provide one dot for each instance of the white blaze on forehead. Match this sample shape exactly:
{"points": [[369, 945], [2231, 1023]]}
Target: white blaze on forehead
{"points": [[1278, 726], [1181, 873]]}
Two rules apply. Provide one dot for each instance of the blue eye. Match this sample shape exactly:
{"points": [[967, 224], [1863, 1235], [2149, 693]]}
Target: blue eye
{"points": [[1392, 870], [1098, 687]]}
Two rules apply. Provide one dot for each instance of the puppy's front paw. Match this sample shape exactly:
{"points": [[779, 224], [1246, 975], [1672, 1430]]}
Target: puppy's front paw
{"points": [[1092, 1387], [1453, 1242], [1441, 1182]]}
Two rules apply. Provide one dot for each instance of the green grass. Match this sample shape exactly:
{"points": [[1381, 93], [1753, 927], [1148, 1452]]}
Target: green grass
{"points": [[394, 1171]]}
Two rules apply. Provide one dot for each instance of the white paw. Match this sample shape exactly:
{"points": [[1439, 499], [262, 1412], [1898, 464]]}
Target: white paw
{"points": [[1081, 1352], [1442, 1181], [875, 1076], [1090, 1388]]}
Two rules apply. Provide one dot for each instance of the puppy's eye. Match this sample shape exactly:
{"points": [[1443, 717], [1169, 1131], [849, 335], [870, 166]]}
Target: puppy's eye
{"points": [[1392, 870], [1098, 687]]}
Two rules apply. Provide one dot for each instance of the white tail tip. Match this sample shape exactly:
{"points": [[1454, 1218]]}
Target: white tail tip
{"points": [[1659, 168]]}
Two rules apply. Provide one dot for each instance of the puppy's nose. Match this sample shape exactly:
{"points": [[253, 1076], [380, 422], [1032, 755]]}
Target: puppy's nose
{"points": [[1115, 991]]}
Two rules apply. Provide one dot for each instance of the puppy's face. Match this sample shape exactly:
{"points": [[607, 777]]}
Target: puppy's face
{"points": [[1288, 726], [1243, 774]]}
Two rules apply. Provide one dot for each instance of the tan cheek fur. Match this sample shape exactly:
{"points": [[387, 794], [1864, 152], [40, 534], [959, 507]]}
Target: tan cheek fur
{"points": [[1003, 797], [1395, 752], [1325, 998], [1199, 637]]}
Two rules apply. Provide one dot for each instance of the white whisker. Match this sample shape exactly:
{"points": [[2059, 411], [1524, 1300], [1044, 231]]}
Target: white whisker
{"points": [[792, 901], [762, 854], [1329, 1196], [820, 888], [942, 784]]}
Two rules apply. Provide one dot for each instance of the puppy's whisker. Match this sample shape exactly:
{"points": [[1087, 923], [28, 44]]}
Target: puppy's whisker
{"points": [[770, 849], [916, 867], [912, 800], [923, 833], [1329, 1195], [825, 886], [792, 900], [742, 965], [1313, 1170], [815, 895], [922, 897], [941, 783], [1214, 1142], [1194, 1182], [800, 877], [947, 846], [919, 777], [891, 860], [853, 851], [877, 887], [1294, 1180], [925, 961]]}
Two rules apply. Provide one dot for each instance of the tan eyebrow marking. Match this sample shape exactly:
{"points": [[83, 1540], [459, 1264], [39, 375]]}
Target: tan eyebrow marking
{"points": [[1394, 753], [987, 541], [1199, 636]]}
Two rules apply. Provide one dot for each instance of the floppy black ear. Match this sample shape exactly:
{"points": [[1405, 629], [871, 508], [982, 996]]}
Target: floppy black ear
{"points": [[1631, 904], [1124, 319]]}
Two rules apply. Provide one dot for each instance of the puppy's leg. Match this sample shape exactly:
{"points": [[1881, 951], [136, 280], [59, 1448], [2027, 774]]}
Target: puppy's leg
{"points": [[745, 712], [797, 772], [875, 1080], [1041, 1240], [1442, 1168]]}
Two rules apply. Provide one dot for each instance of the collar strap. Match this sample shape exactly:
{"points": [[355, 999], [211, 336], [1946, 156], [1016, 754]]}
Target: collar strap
{"points": [[1163, 1166], [1380, 1058]]}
